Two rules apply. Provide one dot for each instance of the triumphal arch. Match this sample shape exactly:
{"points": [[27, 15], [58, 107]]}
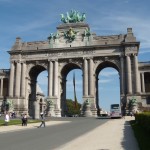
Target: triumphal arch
{"points": [[72, 46]]}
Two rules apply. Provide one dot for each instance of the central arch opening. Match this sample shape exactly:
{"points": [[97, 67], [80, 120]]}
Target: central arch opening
{"points": [[71, 97]]}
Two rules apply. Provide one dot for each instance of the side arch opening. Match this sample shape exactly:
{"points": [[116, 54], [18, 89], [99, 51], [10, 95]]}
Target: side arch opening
{"points": [[107, 87]]}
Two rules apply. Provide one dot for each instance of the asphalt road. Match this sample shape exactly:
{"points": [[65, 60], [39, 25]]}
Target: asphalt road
{"points": [[50, 137]]}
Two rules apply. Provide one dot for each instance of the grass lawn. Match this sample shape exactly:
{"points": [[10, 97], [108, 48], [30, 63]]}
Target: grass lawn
{"points": [[142, 136], [17, 121]]}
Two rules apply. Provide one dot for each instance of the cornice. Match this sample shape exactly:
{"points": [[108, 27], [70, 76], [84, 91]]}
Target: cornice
{"points": [[79, 48]]}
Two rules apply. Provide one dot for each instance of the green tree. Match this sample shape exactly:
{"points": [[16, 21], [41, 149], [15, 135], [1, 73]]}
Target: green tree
{"points": [[71, 109]]}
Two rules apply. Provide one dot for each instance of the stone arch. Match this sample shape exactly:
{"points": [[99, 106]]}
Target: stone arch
{"points": [[109, 63], [35, 70], [68, 67], [90, 53], [33, 97], [105, 64], [64, 72]]}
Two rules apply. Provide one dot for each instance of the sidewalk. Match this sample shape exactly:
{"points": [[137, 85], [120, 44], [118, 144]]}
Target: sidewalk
{"points": [[116, 134]]}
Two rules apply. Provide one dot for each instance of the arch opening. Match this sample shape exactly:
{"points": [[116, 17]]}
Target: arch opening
{"points": [[71, 90], [37, 90], [108, 87]]}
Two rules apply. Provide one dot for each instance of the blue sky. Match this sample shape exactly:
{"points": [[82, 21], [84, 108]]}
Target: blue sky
{"points": [[34, 20]]}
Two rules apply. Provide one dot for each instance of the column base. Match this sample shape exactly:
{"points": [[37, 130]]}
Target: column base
{"points": [[87, 112], [51, 112], [89, 107], [54, 110], [18, 106], [57, 112]]}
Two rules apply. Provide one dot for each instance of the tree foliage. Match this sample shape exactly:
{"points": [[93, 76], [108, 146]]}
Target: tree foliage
{"points": [[71, 110]]}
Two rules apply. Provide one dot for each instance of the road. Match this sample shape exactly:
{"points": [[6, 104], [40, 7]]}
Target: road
{"points": [[51, 137]]}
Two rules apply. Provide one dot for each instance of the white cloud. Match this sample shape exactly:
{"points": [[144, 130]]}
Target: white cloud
{"points": [[118, 22], [108, 74], [144, 51], [30, 26], [104, 81], [42, 79]]}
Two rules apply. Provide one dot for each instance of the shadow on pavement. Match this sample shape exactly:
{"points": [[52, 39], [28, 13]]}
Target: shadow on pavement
{"points": [[129, 141]]}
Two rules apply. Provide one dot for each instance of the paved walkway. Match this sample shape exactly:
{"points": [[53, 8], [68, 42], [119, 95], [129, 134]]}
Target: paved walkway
{"points": [[116, 134]]}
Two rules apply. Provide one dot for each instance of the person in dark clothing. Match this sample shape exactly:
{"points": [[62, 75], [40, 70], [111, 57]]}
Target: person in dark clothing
{"points": [[42, 121], [24, 120]]}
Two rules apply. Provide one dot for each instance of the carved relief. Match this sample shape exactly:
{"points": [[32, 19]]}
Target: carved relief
{"points": [[44, 64], [131, 50], [113, 37]]}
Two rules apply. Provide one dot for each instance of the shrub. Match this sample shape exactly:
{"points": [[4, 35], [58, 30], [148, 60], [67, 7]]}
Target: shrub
{"points": [[143, 119]]}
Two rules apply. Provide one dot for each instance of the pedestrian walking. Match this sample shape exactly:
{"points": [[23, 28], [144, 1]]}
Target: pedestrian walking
{"points": [[13, 114], [7, 119], [42, 120], [24, 120]]}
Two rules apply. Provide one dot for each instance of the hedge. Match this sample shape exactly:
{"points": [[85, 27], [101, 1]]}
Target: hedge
{"points": [[143, 119]]}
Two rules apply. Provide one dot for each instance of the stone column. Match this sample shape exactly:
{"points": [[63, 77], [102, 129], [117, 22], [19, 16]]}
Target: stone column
{"points": [[97, 93], [23, 79], [18, 77], [36, 109], [50, 78], [85, 78], [64, 97], [143, 82], [128, 70], [122, 75], [56, 78], [1, 92], [91, 81], [56, 92], [11, 80], [136, 72]]}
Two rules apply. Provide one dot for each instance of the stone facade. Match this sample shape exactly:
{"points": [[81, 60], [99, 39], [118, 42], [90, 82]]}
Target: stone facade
{"points": [[88, 52]]}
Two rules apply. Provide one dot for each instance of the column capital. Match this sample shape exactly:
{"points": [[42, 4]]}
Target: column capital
{"points": [[17, 61], [90, 58], [134, 54], [84, 58], [49, 60], [87, 58], [128, 55], [23, 62], [54, 60], [12, 61], [121, 56]]}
